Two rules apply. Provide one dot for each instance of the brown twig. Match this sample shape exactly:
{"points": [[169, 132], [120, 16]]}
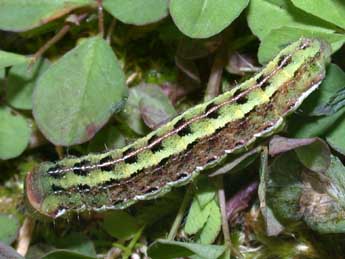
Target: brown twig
{"points": [[100, 17], [222, 204], [58, 36], [25, 234], [60, 151], [110, 30], [214, 81], [225, 224]]}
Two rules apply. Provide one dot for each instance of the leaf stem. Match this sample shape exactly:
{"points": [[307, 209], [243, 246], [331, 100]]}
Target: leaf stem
{"points": [[225, 225], [177, 222], [58, 36], [134, 240], [25, 235], [222, 204], [100, 17], [214, 81], [110, 30], [60, 151]]}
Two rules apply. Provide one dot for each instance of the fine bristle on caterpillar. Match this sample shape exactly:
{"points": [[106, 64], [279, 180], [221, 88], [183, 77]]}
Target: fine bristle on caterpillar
{"points": [[176, 152]]}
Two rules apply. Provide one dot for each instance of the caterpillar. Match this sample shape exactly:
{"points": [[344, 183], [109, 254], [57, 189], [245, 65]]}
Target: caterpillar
{"points": [[174, 154]]}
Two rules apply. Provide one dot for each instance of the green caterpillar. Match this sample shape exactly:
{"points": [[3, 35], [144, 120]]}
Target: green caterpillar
{"points": [[175, 153]]}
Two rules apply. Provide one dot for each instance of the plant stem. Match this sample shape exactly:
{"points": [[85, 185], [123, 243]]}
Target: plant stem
{"points": [[214, 81], [222, 204], [60, 151], [225, 225], [110, 30], [136, 238], [100, 17], [25, 234], [58, 36], [180, 213]]}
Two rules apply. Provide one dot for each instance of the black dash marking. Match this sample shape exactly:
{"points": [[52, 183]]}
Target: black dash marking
{"points": [[238, 92], [110, 183], [210, 160], [157, 147], [163, 161], [239, 143], [263, 85], [318, 54], [181, 176], [108, 167], [185, 130], [242, 100], [117, 202], [304, 45], [217, 131], [55, 172], [83, 187], [282, 59], [62, 208], [131, 159], [79, 170], [214, 114], [57, 189], [151, 189], [191, 145]]}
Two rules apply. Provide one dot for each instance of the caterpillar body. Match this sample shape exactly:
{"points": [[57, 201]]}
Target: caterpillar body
{"points": [[178, 151]]}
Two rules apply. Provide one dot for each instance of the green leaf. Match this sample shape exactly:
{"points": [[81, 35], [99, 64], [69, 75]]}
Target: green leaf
{"points": [[315, 156], [10, 59], [205, 191], [14, 134], [155, 107], [271, 44], [295, 193], [165, 249], [279, 13], [21, 82], [131, 113], [335, 137], [107, 138], [76, 242], [9, 226], [120, 224], [63, 254], [213, 225], [238, 162], [273, 226], [331, 11], [323, 206], [284, 187], [149, 102], [137, 12], [159, 209], [38, 250], [76, 96], [280, 144], [197, 217], [7, 252], [203, 18], [336, 102], [21, 15], [306, 127]]}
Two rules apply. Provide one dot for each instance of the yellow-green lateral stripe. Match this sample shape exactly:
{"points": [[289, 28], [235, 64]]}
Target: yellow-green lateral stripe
{"points": [[154, 164]]}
